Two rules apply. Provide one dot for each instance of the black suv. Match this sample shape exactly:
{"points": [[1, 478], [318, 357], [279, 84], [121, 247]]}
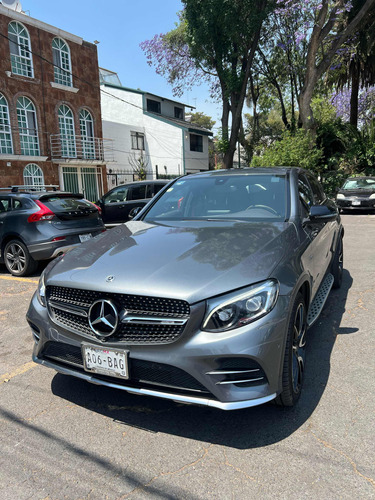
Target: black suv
{"points": [[120, 201], [38, 225]]}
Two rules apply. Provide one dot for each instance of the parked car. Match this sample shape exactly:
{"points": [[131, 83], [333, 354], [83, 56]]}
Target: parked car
{"points": [[357, 193], [204, 298], [39, 225], [120, 201]]}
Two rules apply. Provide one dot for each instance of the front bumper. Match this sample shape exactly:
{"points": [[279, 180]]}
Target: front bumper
{"points": [[351, 204], [197, 354]]}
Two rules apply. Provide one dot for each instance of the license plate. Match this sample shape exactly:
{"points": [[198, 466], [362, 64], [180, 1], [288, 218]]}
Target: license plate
{"points": [[85, 237], [105, 361], [356, 203]]}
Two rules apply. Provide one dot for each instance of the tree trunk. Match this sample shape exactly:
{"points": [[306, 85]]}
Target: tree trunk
{"points": [[354, 96]]}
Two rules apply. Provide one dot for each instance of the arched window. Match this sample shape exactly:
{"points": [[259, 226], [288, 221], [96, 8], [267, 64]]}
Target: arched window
{"points": [[27, 126], [67, 133], [61, 61], [20, 50], [86, 124], [5, 133], [33, 175]]}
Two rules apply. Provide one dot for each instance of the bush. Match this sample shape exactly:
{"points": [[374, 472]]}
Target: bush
{"points": [[292, 150]]}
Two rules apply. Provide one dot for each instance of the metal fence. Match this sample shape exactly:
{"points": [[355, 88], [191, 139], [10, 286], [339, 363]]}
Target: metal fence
{"points": [[118, 177]]}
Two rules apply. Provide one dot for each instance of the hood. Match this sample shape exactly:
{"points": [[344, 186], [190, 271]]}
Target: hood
{"points": [[189, 260]]}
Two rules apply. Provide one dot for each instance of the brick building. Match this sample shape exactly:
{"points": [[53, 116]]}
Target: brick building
{"points": [[50, 119]]}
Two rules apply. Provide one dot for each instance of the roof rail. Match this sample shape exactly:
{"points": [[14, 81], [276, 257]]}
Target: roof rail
{"points": [[30, 187]]}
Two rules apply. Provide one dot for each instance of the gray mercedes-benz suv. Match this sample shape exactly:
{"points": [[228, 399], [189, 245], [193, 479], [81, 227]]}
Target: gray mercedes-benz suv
{"points": [[205, 297]]}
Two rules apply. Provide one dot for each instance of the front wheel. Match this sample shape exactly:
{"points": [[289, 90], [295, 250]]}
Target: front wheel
{"points": [[18, 260], [294, 358]]}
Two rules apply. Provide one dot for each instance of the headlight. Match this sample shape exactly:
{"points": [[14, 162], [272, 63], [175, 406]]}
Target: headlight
{"points": [[238, 309], [372, 196], [340, 196], [41, 290]]}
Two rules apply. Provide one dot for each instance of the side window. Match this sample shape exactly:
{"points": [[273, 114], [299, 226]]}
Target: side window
{"points": [[317, 190], [17, 205], [4, 205], [305, 194], [158, 187], [117, 195], [138, 192], [150, 190]]}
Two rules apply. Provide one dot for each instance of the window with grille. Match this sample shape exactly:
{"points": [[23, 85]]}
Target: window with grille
{"points": [[138, 141], [86, 124], [67, 132], [27, 126], [61, 62], [6, 146], [20, 50], [33, 175], [196, 143]]}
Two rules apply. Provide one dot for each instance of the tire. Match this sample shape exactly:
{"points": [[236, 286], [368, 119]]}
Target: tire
{"points": [[294, 358], [337, 265], [17, 259]]}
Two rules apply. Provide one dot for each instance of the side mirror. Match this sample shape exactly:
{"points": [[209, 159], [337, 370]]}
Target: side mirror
{"points": [[322, 213], [134, 211]]}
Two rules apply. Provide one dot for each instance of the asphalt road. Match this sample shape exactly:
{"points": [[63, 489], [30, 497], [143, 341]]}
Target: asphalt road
{"points": [[62, 438]]}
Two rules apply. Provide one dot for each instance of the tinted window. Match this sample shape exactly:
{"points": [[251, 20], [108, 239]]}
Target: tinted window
{"points": [[305, 193], [17, 204], [57, 204], [317, 190], [4, 204], [158, 187], [118, 195], [138, 192], [216, 197]]}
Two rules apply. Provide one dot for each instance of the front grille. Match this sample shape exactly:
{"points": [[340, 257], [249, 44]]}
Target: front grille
{"points": [[132, 303], [69, 307], [141, 372]]}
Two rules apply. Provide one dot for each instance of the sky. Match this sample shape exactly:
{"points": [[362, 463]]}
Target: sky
{"points": [[120, 26]]}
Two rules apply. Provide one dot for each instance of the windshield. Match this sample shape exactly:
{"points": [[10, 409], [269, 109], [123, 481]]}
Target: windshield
{"points": [[360, 183], [248, 196]]}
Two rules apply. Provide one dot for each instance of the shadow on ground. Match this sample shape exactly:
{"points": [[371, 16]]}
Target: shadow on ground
{"points": [[242, 429]]}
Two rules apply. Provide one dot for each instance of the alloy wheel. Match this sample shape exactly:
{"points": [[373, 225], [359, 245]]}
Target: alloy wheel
{"points": [[298, 352], [16, 258]]}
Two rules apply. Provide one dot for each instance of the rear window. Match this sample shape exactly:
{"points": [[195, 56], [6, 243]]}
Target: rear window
{"points": [[57, 204]]}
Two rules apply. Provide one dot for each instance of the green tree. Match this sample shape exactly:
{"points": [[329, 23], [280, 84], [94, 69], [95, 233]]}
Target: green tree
{"points": [[202, 120]]}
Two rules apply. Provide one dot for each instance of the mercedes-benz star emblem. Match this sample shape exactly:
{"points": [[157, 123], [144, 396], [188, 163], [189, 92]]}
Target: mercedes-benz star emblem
{"points": [[103, 318]]}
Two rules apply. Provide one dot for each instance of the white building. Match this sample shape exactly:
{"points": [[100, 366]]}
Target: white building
{"points": [[145, 125]]}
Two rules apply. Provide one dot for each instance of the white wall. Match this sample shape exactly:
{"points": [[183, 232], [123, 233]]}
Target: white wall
{"points": [[122, 113]]}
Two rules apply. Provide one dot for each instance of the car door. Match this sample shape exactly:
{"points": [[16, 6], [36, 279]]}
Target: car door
{"points": [[328, 230], [114, 206], [313, 258]]}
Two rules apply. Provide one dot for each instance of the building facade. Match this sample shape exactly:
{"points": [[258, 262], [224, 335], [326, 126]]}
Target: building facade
{"points": [[150, 131], [50, 117]]}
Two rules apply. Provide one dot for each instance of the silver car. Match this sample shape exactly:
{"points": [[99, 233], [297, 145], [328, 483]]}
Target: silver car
{"points": [[204, 298]]}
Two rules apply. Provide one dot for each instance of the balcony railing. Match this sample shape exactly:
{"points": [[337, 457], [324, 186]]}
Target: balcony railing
{"points": [[81, 148]]}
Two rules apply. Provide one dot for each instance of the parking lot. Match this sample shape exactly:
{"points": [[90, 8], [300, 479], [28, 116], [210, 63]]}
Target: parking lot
{"points": [[62, 438]]}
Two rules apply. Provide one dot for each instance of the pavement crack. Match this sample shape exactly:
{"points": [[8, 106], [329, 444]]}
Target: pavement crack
{"points": [[170, 473], [250, 478], [328, 445]]}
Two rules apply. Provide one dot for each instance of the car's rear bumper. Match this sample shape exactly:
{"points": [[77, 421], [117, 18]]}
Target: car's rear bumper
{"points": [[49, 249]]}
